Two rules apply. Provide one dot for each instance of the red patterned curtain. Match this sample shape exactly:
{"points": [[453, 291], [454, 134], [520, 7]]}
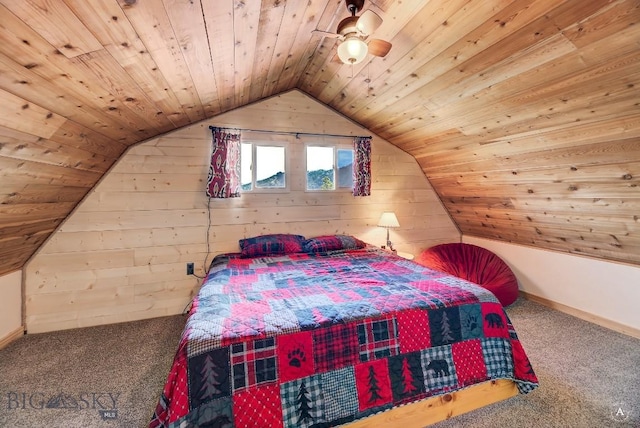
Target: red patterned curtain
{"points": [[362, 166], [224, 170]]}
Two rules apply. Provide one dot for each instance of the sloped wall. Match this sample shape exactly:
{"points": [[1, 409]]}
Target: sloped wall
{"points": [[10, 307], [122, 254], [596, 290]]}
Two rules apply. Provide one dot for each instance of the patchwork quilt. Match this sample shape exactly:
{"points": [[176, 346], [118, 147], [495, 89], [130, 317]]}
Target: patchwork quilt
{"points": [[319, 340]]}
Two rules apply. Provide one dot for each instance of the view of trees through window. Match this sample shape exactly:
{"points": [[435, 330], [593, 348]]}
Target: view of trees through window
{"points": [[263, 167], [325, 163]]}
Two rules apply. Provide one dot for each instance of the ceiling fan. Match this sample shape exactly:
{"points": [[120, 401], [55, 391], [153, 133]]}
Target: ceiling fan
{"points": [[354, 30]]}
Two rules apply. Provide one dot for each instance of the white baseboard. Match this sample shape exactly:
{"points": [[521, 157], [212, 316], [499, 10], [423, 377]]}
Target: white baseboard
{"points": [[19, 332], [595, 319]]}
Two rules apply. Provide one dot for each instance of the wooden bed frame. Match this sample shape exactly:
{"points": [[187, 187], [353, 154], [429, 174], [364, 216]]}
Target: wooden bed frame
{"points": [[441, 407]]}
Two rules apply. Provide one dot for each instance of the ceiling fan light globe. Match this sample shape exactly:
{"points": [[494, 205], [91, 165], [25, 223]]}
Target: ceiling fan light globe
{"points": [[352, 50]]}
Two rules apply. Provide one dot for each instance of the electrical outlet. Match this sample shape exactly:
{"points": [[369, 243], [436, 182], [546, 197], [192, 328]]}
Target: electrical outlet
{"points": [[189, 268]]}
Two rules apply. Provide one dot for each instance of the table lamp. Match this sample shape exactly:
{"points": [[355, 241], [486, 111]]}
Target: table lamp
{"points": [[388, 220]]}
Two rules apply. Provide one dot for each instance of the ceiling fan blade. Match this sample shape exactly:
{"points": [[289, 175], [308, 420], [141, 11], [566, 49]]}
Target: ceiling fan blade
{"points": [[368, 22], [327, 34], [379, 47]]}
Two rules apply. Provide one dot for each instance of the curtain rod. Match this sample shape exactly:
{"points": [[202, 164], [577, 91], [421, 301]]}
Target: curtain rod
{"points": [[297, 134]]}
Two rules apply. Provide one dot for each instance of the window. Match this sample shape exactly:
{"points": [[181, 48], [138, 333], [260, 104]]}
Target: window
{"points": [[345, 168], [325, 163], [262, 166], [246, 162]]}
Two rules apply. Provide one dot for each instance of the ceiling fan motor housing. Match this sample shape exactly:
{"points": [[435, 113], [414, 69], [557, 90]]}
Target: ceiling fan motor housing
{"points": [[354, 5], [347, 26]]}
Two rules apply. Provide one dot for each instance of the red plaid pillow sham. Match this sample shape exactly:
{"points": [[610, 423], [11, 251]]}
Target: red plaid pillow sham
{"points": [[321, 244], [268, 245]]}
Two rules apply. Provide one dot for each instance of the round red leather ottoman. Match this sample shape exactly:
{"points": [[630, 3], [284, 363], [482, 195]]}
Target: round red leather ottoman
{"points": [[475, 264]]}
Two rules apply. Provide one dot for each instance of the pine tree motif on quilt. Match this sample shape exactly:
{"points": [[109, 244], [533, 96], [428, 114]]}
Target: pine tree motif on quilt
{"points": [[407, 377], [302, 402], [445, 326], [373, 384], [209, 376]]}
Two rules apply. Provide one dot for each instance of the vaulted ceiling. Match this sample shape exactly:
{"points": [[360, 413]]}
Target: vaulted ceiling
{"points": [[523, 114]]}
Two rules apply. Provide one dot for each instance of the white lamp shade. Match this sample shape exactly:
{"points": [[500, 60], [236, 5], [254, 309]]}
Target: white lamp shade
{"points": [[388, 219], [352, 50]]}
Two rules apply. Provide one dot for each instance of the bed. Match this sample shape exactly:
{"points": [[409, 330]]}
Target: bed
{"points": [[337, 332]]}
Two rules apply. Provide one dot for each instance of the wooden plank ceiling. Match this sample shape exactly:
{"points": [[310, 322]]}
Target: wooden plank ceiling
{"points": [[523, 114]]}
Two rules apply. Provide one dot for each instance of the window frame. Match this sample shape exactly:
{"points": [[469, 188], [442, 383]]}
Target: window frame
{"points": [[266, 142], [335, 146]]}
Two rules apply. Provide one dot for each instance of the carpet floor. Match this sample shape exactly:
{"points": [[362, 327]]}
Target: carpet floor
{"points": [[112, 376]]}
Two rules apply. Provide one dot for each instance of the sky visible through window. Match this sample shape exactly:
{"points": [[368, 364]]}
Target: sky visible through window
{"points": [[319, 158], [323, 159], [271, 160], [345, 158]]}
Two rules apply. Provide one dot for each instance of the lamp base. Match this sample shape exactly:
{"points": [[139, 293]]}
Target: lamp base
{"points": [[389, 244]]}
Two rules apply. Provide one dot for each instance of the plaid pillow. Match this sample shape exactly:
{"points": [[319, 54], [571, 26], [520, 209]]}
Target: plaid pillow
{"points": [[321, 244], [266, 245]]}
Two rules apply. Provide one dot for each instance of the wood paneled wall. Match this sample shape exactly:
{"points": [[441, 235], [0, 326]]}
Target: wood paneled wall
{"points": [[524, 115], [122, 254], [10, 308]]}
